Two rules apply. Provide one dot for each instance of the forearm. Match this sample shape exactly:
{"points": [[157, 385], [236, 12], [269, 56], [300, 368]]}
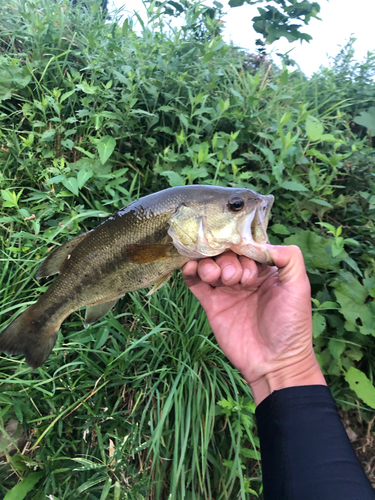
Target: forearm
{"points": [[306, 453]]}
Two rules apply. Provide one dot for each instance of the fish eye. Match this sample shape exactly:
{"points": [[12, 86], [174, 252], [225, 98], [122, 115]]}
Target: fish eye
{"points": [[236, 204]]}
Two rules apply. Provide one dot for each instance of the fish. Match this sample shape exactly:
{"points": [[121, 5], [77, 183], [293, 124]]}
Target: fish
{"points": [[139, 246]]}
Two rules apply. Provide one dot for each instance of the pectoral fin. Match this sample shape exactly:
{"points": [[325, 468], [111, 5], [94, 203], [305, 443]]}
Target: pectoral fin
{"points": [[97, 311], [143, 253], [159, 283], [53, 262]]}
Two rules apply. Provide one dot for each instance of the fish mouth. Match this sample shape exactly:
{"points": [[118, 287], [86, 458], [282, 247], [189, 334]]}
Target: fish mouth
{"points": [[253, 231]]}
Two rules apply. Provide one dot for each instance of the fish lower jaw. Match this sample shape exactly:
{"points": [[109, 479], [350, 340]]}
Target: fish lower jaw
{"points": [[197, 252], [255, 251]]}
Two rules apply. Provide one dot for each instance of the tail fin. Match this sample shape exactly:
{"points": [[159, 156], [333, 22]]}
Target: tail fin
{"points": [[30, 335]]}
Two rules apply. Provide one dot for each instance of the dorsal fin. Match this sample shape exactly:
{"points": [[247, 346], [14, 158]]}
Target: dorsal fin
{"points": [[52, 263]]}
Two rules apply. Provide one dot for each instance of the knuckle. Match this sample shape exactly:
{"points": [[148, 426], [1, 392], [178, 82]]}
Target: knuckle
{"points": [[296, 251]]}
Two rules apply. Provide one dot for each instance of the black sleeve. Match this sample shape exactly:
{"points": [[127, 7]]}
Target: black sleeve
{"points": [[306, 453]]}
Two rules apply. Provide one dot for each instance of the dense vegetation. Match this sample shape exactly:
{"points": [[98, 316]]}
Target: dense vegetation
{"points": [[143, 404]]}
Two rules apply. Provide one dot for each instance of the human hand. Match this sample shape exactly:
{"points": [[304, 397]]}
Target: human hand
{"points": [[261, 316]]}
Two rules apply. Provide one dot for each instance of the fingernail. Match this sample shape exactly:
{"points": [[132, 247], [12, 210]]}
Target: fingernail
{"points": [[245, 275], [208, 269], [228, 272]]}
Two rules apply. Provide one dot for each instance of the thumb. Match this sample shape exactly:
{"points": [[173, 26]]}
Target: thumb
{"points": [[289, 260]]}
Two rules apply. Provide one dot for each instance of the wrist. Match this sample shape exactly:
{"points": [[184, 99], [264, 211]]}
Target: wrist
{"points": [[304, 371]]}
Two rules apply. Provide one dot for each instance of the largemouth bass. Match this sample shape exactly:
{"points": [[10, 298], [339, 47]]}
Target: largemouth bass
{"points": [[139, 246]]}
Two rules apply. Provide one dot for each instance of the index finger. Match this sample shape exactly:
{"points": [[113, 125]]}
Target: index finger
{"points": [[205, 270], [199, 288]]}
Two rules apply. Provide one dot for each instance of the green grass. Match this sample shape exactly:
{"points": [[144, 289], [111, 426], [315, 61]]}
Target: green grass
{"points": [[132, 400]]}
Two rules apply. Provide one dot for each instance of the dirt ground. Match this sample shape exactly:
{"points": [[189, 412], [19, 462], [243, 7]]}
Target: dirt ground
{"points": [[362, 437]]}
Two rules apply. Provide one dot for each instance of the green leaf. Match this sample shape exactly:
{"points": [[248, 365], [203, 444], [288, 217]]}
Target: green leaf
{"points": [[254, 454], [316, 251], [352, 263], [48, 135], [293, 186], [83, 176], [279, 229], [317, 154], [86, 88], [361, 385], [142, 112], [20, 490], [87, 464], [351, 296], [329, 305], [12, 78], [351, 287], [66, 95], [68, 144], [174, 178], [199, 98], [106, 146], [5, 93], [23, 212], [331, 138], [166, 108], [87, 153], [224, 105], [117, 491], [56, 179], [312, 178], [120, 77], [184, 121], [284, 77], [314, 128], [319, 324], [71, 184], [277, 171], [106, 489], [194, 173], [89, 484], [354, 353], [369, 284], [269, 154], [109, 114], [367, 119], [351, 241], [228, 405], [208, 56], [7, 219], [9, 197], [323, 203], [236, 3], [336, 347]]}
